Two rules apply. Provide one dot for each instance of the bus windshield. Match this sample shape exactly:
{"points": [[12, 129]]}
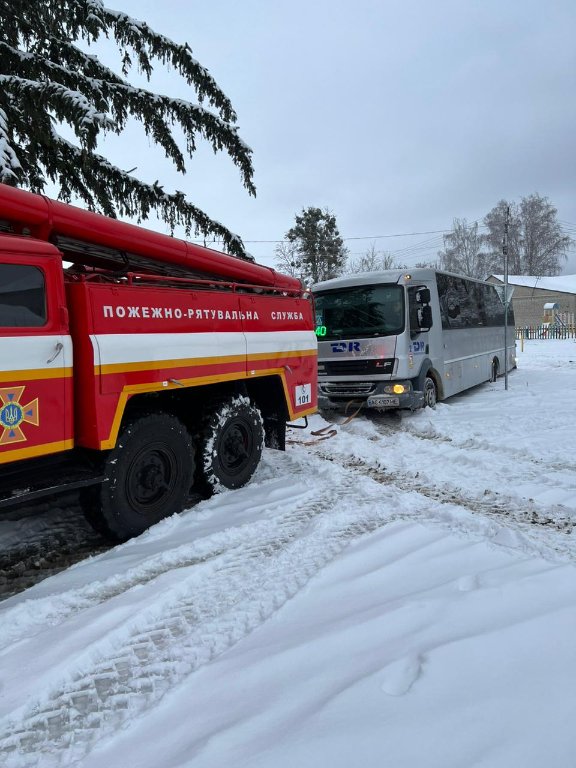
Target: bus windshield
{"points": [[360, 311]]}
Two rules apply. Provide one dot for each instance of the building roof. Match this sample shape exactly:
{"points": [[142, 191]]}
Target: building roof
{"points": [[559, 283]]}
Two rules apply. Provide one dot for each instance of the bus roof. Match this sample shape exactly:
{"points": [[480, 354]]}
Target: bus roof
{"points": [[407, 276], [404, 276]]}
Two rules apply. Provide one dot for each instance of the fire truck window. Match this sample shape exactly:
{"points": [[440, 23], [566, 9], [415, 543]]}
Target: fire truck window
{"points": [[22, 296]]}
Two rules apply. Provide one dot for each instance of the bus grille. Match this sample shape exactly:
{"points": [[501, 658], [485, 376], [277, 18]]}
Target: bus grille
{"points": [[355, 367], [348, 389]]}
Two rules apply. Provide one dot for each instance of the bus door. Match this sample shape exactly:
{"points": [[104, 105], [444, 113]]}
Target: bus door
{"points": [[420, 319]]}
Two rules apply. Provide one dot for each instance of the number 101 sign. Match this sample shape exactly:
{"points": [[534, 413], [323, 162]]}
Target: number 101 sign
{"points": [[303, 394]]}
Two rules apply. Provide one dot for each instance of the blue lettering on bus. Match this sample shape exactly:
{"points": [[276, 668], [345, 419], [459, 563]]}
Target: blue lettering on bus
{"points": [[345, 346]]}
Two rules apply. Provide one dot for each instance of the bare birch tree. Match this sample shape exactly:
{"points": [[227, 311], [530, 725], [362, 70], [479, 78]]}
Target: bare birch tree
{"points": [[373, 261], [463, 250], [537, 244]]}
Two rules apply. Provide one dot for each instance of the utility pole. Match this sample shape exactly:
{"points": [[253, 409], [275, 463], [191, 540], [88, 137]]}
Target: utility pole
{"points": [[505, 254]]}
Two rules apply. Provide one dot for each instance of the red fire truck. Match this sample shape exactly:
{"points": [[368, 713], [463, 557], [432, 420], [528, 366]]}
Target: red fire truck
{"points": [[138, 369]]}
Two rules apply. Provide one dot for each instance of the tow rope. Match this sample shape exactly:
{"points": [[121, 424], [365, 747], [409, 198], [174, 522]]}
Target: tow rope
{"points": [[325, 433]]}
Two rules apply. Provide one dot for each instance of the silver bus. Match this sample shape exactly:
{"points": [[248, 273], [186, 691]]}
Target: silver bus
{"points": [[407, 338]]}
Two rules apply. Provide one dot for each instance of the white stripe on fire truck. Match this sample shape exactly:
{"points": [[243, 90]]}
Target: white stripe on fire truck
{"points": [[114, 351], [278, 343], [32, 357]]}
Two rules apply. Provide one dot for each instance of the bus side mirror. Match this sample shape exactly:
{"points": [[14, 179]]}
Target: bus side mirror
{"points": [[425, 317], [423, 296]]}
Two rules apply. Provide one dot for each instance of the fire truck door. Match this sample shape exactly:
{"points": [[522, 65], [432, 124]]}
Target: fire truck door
{"points": [[35, 359]]}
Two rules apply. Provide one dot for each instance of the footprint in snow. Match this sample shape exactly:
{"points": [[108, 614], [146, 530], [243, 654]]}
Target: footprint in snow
{"points": [[468, 583], [401, 675]]}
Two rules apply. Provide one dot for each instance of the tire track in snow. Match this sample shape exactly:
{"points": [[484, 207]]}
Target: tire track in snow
{"points": [[215, 604], [546, 530], [429, 448], [19, 624], [225, 590], [43, 544], [409, 425]]}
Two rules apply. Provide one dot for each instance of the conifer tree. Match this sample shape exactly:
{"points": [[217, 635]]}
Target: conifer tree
{"points": [[315, 246], [48, 81]]}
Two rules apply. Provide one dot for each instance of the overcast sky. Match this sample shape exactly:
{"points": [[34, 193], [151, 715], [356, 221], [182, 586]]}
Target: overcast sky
{"points": [[397, 116]]}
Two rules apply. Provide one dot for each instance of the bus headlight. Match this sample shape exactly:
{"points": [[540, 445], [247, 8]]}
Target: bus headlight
{"points": [[397, 388]]}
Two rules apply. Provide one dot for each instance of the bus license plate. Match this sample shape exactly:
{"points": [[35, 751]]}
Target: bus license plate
{"points": [[381, 401]]}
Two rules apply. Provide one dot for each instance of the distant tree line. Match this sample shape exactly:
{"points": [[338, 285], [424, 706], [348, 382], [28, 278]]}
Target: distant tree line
{"points": [[537, 245], [536, 242]]}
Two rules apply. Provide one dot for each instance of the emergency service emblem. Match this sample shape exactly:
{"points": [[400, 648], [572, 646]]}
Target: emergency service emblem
{"points": [[13, 414]]}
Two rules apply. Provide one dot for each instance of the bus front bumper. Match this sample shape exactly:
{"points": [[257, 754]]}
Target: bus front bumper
{"points": [[370, 394]]}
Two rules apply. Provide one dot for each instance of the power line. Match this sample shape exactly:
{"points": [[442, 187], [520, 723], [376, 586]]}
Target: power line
{"points": [[376, 237], [423, 245], [404, 234], [361, 237], [566, 225]]}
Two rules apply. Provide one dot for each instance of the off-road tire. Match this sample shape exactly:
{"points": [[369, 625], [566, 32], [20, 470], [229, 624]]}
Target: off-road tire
{"points": [[230, 444], [149, 474]]}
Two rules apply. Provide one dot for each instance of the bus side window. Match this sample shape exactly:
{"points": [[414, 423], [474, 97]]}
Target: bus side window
{"points": [[472, 305], [461, 303], [479, 299], [494, 306], [450, 296], [22, 296]]}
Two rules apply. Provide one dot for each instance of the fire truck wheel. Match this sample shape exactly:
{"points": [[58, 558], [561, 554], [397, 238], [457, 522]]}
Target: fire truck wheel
{"points": [[150, 473], [231, 443]]}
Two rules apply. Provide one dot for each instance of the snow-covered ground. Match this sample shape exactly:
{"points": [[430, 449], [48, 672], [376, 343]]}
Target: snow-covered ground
{"points": [[401, 595]]}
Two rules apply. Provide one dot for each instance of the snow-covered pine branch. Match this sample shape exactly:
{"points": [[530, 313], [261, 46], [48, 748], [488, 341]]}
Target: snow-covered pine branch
{"points": [[46, 80], [9, 163], [136, 199]]}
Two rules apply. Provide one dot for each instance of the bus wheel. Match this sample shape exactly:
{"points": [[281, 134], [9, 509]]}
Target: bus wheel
{"points": [[430, 393], [231, 443], [149, 474], [494, 370]]}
